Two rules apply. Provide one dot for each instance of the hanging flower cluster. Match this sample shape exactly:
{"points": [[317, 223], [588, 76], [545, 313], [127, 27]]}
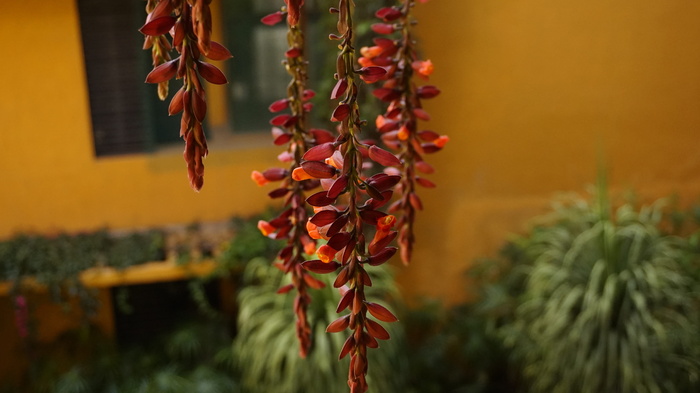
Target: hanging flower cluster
{"points": [[347, 219], [188, 23], [291, 129], [348, 204], [398, 125]]}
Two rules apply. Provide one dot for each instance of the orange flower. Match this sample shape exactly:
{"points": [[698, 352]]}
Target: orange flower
{"points": [[309, 245], [386, 223], [265, 228], [403, 133], [380, 121], [371, 51], [258, 178], [423, 68], [312, 229], [300, 174], [441, 141], [326, 253], [365, 61], [336, 160]]}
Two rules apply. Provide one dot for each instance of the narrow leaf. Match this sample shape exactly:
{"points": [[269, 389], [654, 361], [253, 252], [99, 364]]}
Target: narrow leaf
{"points": [[383, 157]]}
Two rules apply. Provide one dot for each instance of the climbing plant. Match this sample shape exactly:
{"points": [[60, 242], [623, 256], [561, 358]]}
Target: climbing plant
{"points": [[344, 176]]}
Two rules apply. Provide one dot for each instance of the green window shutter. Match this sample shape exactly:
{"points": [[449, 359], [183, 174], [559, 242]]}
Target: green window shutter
{"points": [[127, 116]]}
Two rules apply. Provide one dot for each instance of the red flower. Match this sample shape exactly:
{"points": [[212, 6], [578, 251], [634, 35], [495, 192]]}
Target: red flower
{"points": [[265, 228], [258, 178]]}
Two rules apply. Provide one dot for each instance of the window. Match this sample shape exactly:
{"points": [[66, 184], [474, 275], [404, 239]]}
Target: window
{"points": [[127, 116], [256, 75]]}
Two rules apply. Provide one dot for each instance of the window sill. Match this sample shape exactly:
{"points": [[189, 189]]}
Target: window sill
{"points": [[106, 277]]}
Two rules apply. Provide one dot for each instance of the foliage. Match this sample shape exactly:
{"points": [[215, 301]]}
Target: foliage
{"points": [[454, 350], [265, 350], [609, 303], [246, 243], [193, 358], [57, 261]]}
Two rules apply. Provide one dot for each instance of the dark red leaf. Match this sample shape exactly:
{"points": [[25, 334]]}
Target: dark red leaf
{"points": [[383, 157], [429, 148], [293, 52], [273, 19], [369, 341], [380, 312], [374, 248], [158, 26], [324, 217], [321, 136], [199, 105], [386, 95], [424, 167], [319, 152], [278, 193], [319, 199], [425, 182], [318, 169], [347, 346], [372, 74], [308, 94], [428, 135], [388, 13], [340, 87], [348, 251], [342, 278], [320, 267], [383, 182], [337, 226], [371, 216], [421, 114], [280, 120], [382, 256], [211, 73], [373, 203], [285, 253], [382, 28], [415, 201], [176, 103], [376, 330], [345, 300], [217, 52], [339, 240], [283, 138], [313, 282], [339, 324], [384, 42], [163, 72], [275, 174], [341, 112], [285, 288], [279, 105], [338, 186], [394, 113], [427, 91], [294, 9]]}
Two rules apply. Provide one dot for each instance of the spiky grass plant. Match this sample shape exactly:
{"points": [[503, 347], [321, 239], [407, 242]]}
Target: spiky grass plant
{"points": [[265, 348], [609, 305]]}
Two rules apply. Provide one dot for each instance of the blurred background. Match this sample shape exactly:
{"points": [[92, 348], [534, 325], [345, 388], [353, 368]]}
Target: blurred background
{"points": [[537, 95]]}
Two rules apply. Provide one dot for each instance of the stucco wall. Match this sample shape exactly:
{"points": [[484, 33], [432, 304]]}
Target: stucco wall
{"points": [[51, 179], [534, 93]]}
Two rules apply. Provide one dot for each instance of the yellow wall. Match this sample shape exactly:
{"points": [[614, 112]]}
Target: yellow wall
{"points": [[51, 179], [533, 90]]}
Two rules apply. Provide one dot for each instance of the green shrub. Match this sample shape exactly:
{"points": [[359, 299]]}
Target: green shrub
{"points": [[266, 351], [610, 303]]}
